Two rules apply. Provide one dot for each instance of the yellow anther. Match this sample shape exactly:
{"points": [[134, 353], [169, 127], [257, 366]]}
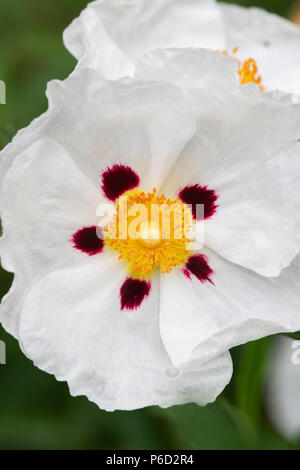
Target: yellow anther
{"points": [[247, 70]]}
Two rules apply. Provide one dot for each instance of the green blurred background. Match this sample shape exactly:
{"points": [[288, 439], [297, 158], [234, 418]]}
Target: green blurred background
{"points": [[36, 412]]}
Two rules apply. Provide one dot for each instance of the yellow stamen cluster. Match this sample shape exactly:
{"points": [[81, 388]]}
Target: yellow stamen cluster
{"points": [[248, 70], [149, 231]]}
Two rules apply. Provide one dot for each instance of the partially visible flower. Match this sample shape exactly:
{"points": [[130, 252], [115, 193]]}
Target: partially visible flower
{"points": [[283, 387], [122, 331], [273, 42], [113, 35]]}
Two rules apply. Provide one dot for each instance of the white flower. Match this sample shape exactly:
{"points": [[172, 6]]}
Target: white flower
{"points": [[75, 308], [122, 331], [113, 35], [283, 385]]}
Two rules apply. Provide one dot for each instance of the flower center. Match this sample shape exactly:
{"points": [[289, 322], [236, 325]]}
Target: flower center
{"points": [[150, 235], [149, 231]]}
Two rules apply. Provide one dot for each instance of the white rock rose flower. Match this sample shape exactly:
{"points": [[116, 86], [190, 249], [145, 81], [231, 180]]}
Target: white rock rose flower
{"points": [[131, 321], [112, 35]]}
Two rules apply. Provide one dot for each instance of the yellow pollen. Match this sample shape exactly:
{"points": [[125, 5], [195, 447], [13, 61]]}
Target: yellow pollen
{"points": [[149, 231], [247, 70]]}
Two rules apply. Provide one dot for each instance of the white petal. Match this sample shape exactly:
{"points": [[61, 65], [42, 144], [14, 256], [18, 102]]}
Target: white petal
{"points": [[72, 326], [272, 41], [246, 149], [189, 68], [11, 305], [242, 306], [100, 123], [283, 387], [112, 35], [45, 199], [257, 224]]}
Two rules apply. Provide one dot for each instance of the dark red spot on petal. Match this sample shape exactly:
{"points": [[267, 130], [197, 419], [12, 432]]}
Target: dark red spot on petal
{"points": [[88, 241], [199, 267], [200, 195], [118, 179], [133, 292]]}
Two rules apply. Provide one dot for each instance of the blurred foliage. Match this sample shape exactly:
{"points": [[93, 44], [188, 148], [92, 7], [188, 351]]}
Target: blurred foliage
{"points": [[281, 7], [295, 335], [36, 411]]}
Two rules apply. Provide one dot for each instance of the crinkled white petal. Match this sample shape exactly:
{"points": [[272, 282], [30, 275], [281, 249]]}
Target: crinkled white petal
{"points": [[272, 41], [246, 149], [101, 123], [112, 35], [241, 306], [45, 199], [71, 325], [189, 68], [283, 387], [257, 222]]}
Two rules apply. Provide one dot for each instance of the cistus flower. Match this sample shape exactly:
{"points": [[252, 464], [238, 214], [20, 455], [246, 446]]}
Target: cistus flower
{"points": [[77, 309], [112, 35], [132, 319]]}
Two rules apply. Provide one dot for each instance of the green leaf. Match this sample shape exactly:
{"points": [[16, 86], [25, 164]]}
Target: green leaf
{"points": [[216, 426]]}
